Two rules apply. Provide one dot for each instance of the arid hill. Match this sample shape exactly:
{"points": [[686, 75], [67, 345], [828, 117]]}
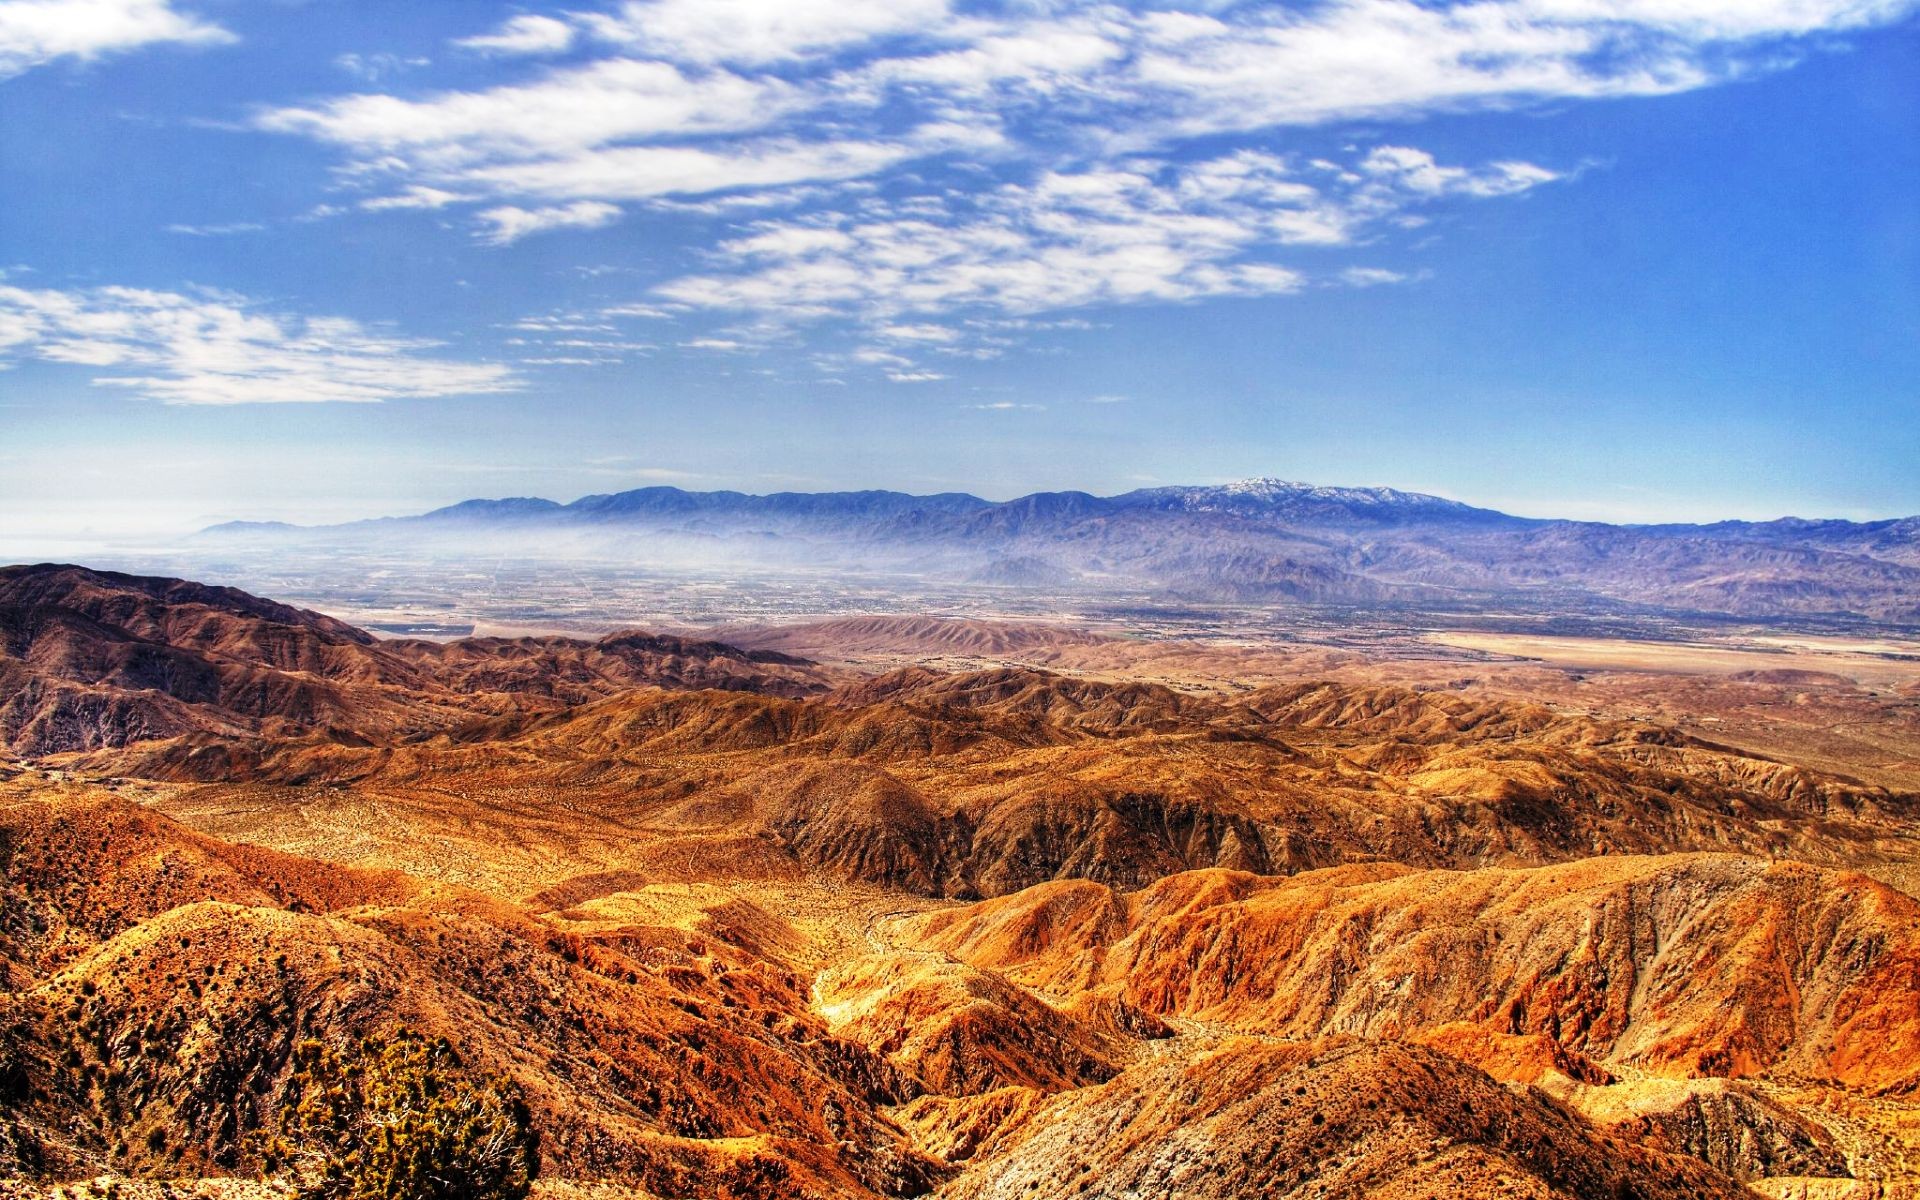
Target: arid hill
{"points": [[158, 981], [739, 925], [1687, 965], [985, 783], [94, 659], [926, 637], [1386, 1121], [151, 1006]]}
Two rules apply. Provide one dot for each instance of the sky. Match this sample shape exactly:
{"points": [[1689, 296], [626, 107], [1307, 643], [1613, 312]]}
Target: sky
{"points": [[315, 260]]}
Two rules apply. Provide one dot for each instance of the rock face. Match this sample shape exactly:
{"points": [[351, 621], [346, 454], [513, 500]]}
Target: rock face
{"points": [[1686, 965], [1741, 1132], [151, 1009], [961, 1031], [158, 980], [955, 784], [1360, 1119]]}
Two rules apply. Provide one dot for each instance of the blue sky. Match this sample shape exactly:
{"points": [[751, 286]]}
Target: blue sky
{"points": [[1622, 259]]}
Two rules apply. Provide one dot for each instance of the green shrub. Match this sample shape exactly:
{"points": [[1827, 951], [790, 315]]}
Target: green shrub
{"points": [[400, 1120]]}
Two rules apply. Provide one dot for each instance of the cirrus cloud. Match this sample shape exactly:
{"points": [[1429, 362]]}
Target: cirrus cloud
{"points": [[509, 224], [1133, 232], [526, 34], [921, 157]]}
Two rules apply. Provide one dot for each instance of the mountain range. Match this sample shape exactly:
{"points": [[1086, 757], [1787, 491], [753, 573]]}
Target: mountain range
{"points": [[1256, 541]]}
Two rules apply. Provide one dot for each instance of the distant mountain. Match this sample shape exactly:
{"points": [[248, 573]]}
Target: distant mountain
{"points": [[488, 510], [1255, 541], [1274, 498]]}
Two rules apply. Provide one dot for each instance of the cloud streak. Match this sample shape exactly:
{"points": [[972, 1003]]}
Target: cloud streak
{"points": [[509, 224], [1140, 231], [730, 78], [220, 350], [760, 31], [527, 34]]}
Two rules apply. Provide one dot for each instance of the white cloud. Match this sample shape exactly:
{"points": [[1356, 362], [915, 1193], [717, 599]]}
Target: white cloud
{"points": [[644, 172], [375, 67], [416, 196], [919, 333], [650, 311], [708, 106], [618, 129], [1138, 231], [1417, 172], [760, 31], [759, 198], [509, 224], [796, 75], [1365, 277], [849, 121], [915, 376], [33, 32], [1038, 57], [562, 323], [565, 111], [217, 349], [1268, 67], [529, 34], [217, 230]]}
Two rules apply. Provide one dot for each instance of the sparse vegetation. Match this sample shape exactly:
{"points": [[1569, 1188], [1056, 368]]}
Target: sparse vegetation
{"points": [[399, 1119]]}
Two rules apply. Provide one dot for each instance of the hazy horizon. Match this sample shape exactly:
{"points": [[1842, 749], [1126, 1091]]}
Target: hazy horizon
{"points": [[19, 545]]}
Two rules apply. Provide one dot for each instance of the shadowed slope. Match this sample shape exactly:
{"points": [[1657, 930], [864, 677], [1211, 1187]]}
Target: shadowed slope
{"points": [[851, 637], [1687, 965], [158, 981], [95, 659], [988, 782], [1381, 1121]]}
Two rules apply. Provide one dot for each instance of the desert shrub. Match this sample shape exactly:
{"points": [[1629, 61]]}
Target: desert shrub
{"points": [[399, 1119]]}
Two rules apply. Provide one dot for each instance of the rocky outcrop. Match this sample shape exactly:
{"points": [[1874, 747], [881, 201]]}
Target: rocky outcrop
{"points": [[158, 981], [1734, 1127], [1380, 1120], [1687, 965], [959, 1030]]}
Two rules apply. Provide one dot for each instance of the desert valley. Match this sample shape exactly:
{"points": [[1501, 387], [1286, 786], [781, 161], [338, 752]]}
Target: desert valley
{"points": [[1157, 896]]}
